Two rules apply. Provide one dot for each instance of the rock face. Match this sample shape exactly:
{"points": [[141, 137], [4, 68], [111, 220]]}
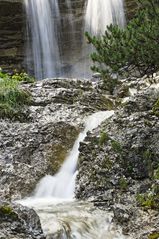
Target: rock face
{"points": [[18, 222], [118, 166], [38, 144], [12, 34], [130, 8]]}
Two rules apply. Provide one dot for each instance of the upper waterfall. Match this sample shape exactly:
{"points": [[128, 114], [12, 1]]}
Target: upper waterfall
{"points": [[56, 46], [100, 13], [42, 50]]}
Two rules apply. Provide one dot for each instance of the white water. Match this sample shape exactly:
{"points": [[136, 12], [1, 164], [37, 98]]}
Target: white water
{"points": [[66, 218], [101, 13], [63, 183], [42, 49], [74, 220]]}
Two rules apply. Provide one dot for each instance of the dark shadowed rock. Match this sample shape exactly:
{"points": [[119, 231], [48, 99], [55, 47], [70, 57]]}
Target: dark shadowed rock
{"points": [[18, 222]]}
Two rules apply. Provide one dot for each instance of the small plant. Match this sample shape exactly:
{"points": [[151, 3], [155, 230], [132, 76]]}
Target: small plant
{"points": [[7, 211], [155, 108], [156, 173], [131, 51], [107, 163], [154, 235], [123, 184], [103, 138], [17, 76], [148, 200], [23, 77], [116, 146], [12, 96]]}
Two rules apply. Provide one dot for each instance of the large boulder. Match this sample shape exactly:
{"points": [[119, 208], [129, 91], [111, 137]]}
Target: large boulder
{"points": [[18, 222]]}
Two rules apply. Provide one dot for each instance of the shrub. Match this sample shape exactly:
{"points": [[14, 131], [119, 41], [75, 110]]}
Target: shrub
{"points": [[12, 96], [22, 76], [148, 200], [132, 51]]}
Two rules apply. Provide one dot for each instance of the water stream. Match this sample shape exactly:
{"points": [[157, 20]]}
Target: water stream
{"points": [[62, 184], [63, 217]]}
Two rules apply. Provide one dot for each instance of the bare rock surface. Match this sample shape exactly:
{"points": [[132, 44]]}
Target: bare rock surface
{"points": [[119, 164]]}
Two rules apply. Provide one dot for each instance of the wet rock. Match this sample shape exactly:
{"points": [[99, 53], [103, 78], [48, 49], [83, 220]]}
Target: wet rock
{"points": [[118, 163], [18, 222], [37, 146]]}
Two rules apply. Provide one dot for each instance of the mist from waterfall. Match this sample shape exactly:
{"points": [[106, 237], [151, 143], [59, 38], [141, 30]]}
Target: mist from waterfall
{"points": [[42, 48]]}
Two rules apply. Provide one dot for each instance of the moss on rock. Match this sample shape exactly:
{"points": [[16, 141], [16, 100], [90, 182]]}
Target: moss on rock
{"points": [[58, 151]]}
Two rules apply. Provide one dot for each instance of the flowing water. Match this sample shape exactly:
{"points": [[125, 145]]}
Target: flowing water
{"points": [[45, 56], [74, 220], [101, 13], [61, 216], [62, 184], [43, 49]]}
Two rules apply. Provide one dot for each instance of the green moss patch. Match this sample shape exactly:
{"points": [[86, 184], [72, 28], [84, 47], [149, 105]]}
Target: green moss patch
{"points": [[155, 108], [7, 211], [154, 235]]}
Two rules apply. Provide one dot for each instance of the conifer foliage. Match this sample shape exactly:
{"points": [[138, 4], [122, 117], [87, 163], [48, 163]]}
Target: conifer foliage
{"points": [[132, 51]]}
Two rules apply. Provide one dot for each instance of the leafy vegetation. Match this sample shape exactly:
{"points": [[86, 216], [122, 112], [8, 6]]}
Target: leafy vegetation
{"points": [[132, 51], [123, 184], [156, 108], [7, 211], [116, 146], [24, 77], [148, 200], [103, 138], [12, 96], [154, 235]]}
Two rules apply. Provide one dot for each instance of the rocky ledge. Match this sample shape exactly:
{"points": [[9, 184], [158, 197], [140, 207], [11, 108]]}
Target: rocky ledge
{"points": [[37, 143], [119, 165]]}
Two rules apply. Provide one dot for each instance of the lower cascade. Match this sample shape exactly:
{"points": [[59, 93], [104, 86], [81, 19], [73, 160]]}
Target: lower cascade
{"points": [[61, 216], [62, 184]]}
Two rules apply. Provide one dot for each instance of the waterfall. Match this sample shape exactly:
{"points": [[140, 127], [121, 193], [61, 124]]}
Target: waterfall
{"points": [[64, 218], [42, 50], [45, 25], [101, 13], [63, 183]]}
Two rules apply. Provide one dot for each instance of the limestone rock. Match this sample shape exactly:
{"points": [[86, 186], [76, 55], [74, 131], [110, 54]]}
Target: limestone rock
{"points": [[119, 161], [38, 145]]}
